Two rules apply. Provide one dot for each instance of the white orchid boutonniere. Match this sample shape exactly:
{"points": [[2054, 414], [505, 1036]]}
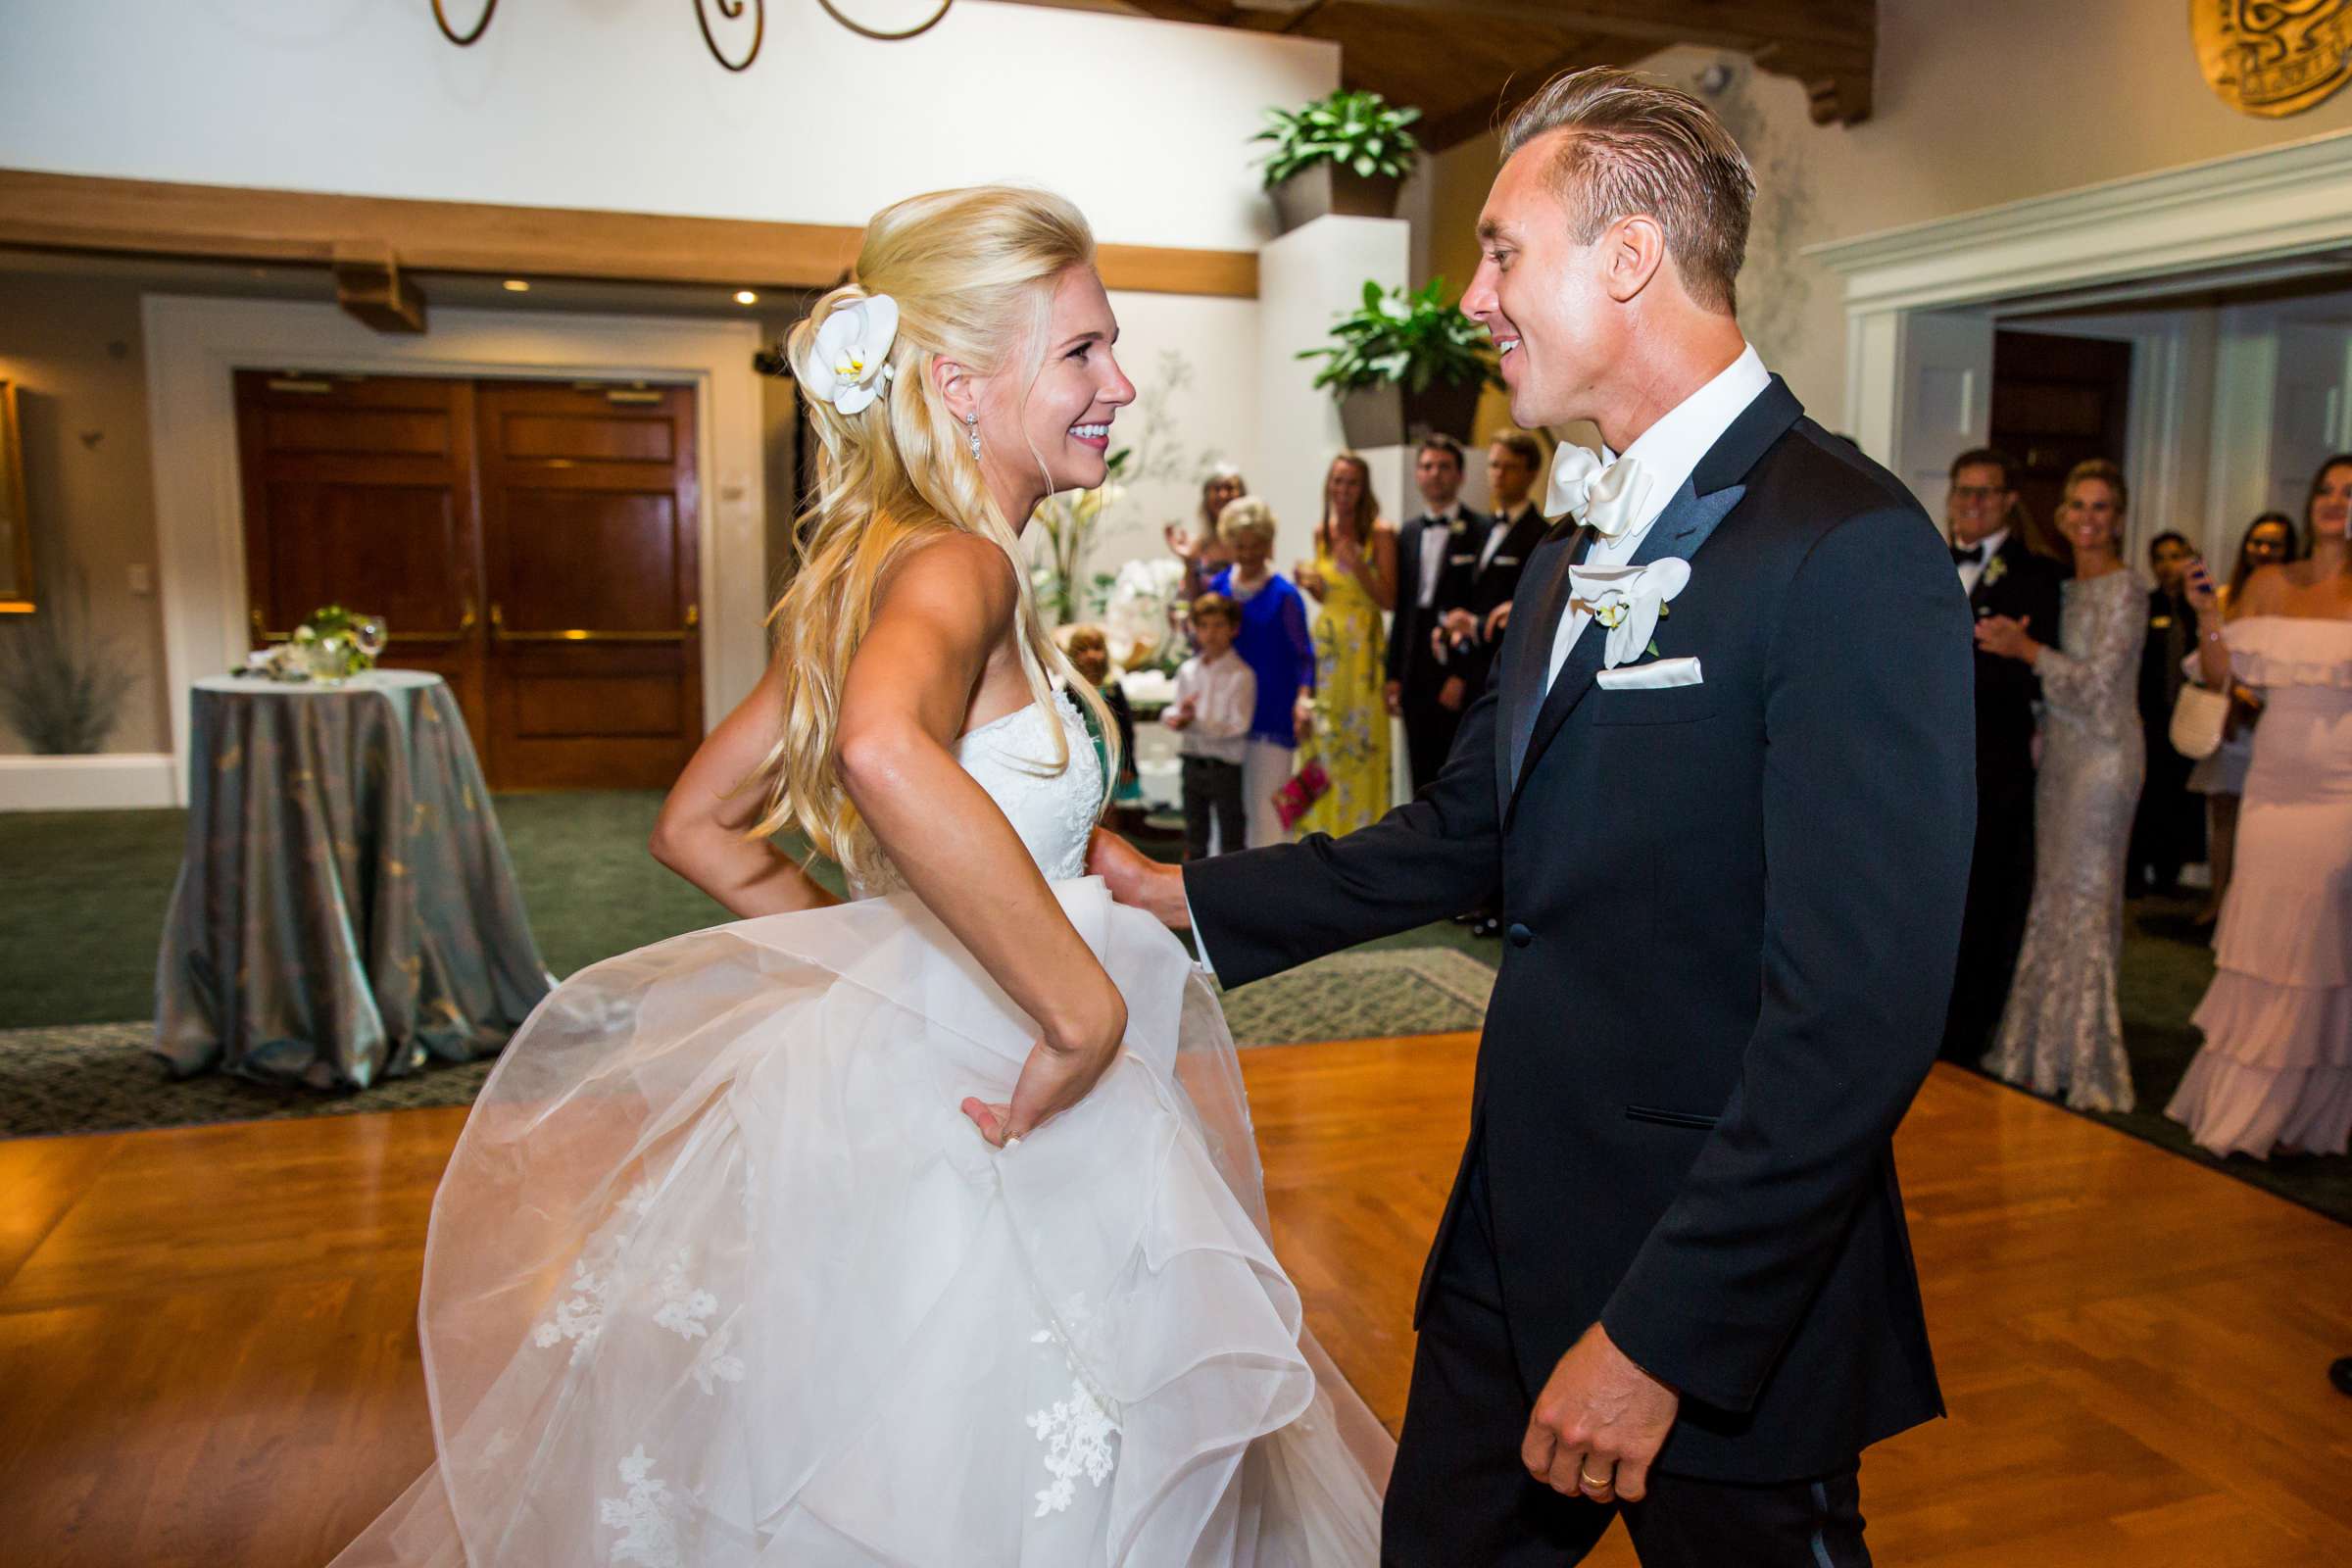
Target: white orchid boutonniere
{"points": [[1628, 601], [849, 365], [1994, 570]]}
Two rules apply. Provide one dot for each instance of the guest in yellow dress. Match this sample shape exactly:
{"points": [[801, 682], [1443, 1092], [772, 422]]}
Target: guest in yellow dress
{"points": [[1354, 578]]}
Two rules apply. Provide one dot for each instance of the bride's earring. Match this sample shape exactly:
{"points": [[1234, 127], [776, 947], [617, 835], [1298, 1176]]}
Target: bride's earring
{"points": [[971, 422]]}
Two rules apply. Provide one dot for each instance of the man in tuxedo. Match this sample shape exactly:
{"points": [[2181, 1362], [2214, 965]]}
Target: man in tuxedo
{"points": [[1420, 690], [1673, 1280], [1478, 593], [2001, 577], [2168, 831]]}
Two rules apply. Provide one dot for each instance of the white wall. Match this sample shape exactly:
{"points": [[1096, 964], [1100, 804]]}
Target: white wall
{"points": [[601, 103], [1194, 362]]}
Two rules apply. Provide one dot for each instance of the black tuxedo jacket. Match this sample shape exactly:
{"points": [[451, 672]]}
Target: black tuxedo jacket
{"points": [[1410, 662], [1483, 588], [1732, 910], [2023, 585]]}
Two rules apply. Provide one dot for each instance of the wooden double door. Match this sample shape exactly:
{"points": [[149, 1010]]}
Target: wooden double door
{"points": [[534, 543]]}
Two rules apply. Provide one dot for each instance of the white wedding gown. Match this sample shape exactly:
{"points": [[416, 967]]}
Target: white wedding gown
{"points": [[720, 1275]]}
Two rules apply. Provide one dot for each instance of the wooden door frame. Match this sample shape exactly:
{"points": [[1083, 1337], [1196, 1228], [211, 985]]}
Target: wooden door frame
{"points": [[194, 344]]}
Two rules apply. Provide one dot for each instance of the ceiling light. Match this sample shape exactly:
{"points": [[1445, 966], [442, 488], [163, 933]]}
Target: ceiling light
{"points": [[517, 285], [744, 296]]}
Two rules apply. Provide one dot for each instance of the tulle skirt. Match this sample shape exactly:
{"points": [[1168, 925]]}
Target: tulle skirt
{"points": [[720, 1275]]}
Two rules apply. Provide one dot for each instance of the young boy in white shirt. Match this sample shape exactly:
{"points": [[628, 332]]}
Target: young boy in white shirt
{"points": [[1216, 695]]}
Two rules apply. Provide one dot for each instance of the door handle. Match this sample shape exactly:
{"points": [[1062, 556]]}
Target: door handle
{"points": [[499, 632]]}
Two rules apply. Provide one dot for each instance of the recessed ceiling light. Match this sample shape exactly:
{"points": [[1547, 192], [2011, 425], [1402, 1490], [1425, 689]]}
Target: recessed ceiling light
{"points": [[744, 296], [517, 285]]}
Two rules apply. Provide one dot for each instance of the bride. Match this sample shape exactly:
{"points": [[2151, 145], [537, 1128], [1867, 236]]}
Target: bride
{"points": [[925, 1229]]}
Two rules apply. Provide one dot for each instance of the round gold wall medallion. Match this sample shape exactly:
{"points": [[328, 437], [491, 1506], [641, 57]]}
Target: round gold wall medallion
{"points": [[2272, 57]]}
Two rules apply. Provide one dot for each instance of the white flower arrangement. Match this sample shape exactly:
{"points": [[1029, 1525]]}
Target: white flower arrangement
{"points": [[1629, 602]]}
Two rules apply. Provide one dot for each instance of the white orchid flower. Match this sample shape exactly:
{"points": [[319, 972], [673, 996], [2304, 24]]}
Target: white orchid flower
{"points": [[1628, 601], [850, 367]]}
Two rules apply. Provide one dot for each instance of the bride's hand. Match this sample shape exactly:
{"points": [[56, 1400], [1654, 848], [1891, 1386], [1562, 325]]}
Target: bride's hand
{"points": [[1057, 1076]]}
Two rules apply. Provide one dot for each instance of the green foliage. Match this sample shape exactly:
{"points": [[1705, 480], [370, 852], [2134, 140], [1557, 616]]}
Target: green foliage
{"points": [[1356, 130], [1401, 339], [62, 686], [1066, 524]]}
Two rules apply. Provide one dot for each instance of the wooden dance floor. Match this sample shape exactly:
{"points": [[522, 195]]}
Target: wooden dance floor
{"points": [[208, 1354]]}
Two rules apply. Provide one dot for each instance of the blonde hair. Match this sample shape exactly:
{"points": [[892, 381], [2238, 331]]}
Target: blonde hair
{"points": [[1247, 514], [973, 273]]}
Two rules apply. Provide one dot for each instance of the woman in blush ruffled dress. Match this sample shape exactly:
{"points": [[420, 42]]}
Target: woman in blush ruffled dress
{"points": [[2063, 1030], [2276, 1070], [923, 1230]]}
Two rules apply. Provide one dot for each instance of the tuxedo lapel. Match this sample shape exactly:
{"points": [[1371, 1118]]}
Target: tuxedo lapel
{"points": [[1690, 519], [1530, 651], [1686, 524]]}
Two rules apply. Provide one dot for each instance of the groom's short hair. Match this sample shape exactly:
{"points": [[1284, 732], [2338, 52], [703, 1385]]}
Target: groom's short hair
{"points": [[1641, 146]]}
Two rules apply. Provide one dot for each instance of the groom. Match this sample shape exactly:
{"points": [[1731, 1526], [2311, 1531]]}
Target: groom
{"points": [[1729, 834]]}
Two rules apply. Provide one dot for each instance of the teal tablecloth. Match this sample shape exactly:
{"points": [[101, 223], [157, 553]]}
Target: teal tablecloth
{"points": [[346, 909]]}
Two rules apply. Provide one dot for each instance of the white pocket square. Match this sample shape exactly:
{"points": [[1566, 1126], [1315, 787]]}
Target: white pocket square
{"points": [[1654, 676]]}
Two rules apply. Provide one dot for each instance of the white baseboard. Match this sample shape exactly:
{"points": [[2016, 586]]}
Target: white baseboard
{"points": [[110, 781]]}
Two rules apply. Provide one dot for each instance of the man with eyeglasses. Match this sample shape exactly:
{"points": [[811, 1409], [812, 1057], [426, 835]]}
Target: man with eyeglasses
{"points": [[2001, 576]]}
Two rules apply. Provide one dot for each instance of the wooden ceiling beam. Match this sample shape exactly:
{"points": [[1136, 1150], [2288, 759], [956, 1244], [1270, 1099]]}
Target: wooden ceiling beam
{"points": [[1831, 46], [1478, 117], [1744, 24], [224, 223]]}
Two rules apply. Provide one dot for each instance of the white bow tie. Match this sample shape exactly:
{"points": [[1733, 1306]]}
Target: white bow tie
{"points": [[1606, 497]]}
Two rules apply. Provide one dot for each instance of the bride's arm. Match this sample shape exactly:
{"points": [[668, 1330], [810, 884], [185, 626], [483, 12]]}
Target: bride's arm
{"points": [[700, 833], [941, 617]]}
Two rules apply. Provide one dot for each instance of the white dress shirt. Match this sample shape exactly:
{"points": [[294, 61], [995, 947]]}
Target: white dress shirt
{"points": [[1224, 699], [1972, 571], [1435, 533], [1669, 452], [1497, 531]]}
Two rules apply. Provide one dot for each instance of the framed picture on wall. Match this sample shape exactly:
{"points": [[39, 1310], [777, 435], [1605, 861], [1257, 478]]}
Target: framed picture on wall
{"points": [[16, 527]]}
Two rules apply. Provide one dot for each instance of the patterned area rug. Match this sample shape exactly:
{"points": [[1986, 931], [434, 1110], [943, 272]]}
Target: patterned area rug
{"points": [[88, 1078]]}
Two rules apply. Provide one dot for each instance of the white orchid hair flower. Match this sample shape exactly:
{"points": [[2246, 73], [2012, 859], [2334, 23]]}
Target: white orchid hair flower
{"points": [[849, 365]]}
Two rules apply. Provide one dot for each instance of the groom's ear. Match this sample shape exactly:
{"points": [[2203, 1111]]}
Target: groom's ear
{"points": [[1632, 252]]}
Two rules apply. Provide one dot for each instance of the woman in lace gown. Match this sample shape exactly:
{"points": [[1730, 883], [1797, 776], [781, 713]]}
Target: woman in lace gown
{"points": [[924, 1230], [2276, 1070], [2062, 1031], [1354, 575]]}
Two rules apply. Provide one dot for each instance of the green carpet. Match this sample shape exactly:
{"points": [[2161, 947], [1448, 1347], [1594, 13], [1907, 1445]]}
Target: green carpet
{"points": [[79, 1078], [85, 891]]}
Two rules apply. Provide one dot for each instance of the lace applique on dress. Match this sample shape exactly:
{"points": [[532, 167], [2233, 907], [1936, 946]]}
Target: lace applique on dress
{"points": [[1053, 812], [1078, 1432], [685, 1305], [645, 1517], [580, 1318]]}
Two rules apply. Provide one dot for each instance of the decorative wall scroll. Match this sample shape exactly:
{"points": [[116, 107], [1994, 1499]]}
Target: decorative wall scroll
{"points": [[729, 11], [2272, 57]]}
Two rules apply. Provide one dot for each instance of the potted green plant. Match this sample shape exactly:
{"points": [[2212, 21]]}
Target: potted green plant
{"points": [[1405, 364], [1347, 154]]}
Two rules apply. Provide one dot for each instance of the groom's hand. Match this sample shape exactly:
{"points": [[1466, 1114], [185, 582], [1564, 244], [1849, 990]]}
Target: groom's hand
{"points": [[1597, 1424], [1137, 880]]}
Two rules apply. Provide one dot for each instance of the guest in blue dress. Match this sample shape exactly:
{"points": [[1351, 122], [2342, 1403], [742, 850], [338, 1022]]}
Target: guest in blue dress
{"points": [[1273, 642]]}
